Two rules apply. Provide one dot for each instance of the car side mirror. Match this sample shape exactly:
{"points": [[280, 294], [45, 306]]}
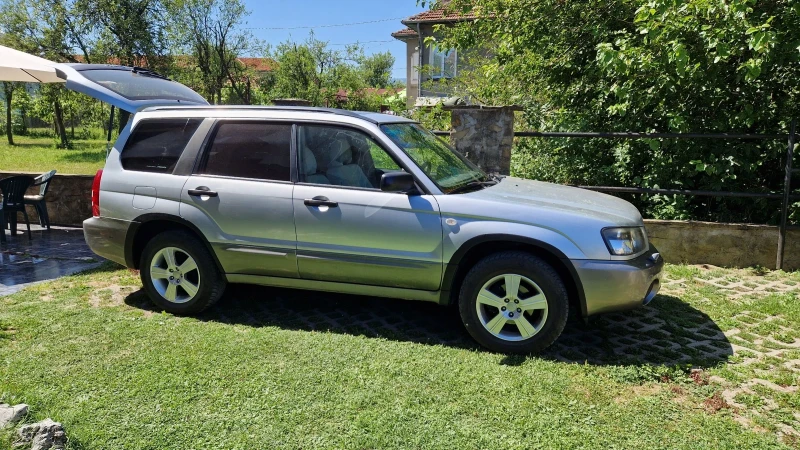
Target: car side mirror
{"points": [[398, 182]]}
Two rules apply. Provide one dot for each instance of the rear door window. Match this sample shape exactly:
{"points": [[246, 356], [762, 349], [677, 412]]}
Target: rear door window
{"points": [[155, 145], [256, 150]]}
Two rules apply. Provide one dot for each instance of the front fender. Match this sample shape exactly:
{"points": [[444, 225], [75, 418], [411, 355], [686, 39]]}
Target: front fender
{"points": [[460, 239], [455, 236]]}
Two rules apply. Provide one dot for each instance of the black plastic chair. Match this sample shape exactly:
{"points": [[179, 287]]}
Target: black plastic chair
{"points": [[13, 189], [37, 201]]}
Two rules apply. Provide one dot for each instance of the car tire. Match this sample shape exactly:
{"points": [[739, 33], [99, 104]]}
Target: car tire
{"points": [[176, 257], [490, 306]]}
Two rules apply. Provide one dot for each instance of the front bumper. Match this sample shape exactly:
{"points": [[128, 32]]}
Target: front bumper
{"points": [[106, 237], [619, 285]]}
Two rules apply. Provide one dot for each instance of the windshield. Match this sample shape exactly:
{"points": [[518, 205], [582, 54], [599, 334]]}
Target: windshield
{"points": [[135, 86], [446, 167]]}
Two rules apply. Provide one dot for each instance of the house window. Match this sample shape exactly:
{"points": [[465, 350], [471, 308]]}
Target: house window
{"points": [[444, 63]]}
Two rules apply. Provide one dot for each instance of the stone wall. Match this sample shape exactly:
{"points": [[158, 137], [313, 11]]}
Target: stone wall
{"points": [[69, 199], [485, 136], [722, 244]]}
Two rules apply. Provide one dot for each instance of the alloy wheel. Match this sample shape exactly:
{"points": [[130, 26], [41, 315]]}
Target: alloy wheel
{"points": [[512, 307], [175, 275]]}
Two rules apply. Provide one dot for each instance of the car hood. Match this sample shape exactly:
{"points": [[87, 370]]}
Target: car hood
{"points": [[553, 201]]}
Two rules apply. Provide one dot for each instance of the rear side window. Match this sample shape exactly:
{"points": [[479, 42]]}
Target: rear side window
{"points": [[156, 145], [250, 150]]}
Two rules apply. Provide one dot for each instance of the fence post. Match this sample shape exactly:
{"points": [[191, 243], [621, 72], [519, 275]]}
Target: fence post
{"points": [[787, 187], [484, 135]]}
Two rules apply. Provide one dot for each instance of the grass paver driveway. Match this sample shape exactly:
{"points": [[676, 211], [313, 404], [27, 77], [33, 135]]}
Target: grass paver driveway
{"points": [[713, 362]]}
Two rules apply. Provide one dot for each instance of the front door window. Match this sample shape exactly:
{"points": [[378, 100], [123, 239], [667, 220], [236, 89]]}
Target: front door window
{"points": [[339, 156]]}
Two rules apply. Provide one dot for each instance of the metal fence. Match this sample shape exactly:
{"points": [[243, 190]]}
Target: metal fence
{"points": [[785, 195]]}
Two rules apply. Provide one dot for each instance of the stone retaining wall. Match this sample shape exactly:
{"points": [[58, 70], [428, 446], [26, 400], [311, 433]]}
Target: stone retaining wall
{"points": [[722, 244], [69, 199]]}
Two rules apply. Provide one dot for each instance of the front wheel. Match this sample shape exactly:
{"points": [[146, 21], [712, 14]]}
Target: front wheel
{"points": [[179, 274], [513, 302]]}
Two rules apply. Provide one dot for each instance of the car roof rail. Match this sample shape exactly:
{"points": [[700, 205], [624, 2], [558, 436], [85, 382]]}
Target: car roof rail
{"points": [[340, 112]]}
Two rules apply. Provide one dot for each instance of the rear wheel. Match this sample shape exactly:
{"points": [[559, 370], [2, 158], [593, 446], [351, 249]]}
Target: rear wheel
{"points": [[179, 274], [513, 302]]}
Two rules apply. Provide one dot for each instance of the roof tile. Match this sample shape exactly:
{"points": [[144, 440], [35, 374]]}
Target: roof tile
{"points": [[438, 16], [407, 33]]}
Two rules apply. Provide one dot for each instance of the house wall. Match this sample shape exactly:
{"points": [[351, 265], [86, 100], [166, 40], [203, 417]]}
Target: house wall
{"points": [[413, 78], [430, 88], [412, 71]]}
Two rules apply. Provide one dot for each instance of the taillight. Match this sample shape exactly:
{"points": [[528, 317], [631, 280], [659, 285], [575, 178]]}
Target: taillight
{"points": [[96, 193]]}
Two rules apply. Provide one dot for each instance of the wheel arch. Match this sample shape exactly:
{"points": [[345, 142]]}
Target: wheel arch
{"points": [[479, 247], [147, 226]]}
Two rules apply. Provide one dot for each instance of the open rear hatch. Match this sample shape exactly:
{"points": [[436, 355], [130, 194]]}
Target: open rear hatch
{"points": [[128, 88]]}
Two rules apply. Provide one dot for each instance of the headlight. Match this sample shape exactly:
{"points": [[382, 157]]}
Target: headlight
{"points": [[625, 241]]}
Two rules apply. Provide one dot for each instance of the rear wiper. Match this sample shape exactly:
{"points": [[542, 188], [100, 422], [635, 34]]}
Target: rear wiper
{"points": [[148, 73], [472, 185]]}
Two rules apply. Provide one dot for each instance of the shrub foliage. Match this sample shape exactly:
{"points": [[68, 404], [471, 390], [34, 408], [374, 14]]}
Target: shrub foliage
{"points": [[633, 65]]}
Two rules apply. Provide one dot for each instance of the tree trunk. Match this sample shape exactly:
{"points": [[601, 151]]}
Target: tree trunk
{"points": [[9, 91], [60, 129], [72, 121], [248, 93]]}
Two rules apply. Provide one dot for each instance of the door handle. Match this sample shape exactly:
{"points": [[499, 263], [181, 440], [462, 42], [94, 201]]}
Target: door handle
{"points": [[320, 201], [202, 190]]}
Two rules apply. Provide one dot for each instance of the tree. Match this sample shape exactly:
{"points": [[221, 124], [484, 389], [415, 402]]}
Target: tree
{"points": [[53, 28], [313, 71], [634, 65], [377, 69], [129, 32], [44, 27], [47, 105], [296, 75], [211, 32], [8, 91]]}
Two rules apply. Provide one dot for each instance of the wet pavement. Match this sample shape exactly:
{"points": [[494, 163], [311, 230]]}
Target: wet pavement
{"points": [[49, 255]]}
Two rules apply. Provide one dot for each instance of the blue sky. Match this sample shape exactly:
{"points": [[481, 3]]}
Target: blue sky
{"points": [[317, 13]]}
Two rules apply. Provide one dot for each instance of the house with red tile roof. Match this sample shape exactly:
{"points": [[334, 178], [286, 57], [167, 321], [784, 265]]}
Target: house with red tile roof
{"points": [[442, 63]]}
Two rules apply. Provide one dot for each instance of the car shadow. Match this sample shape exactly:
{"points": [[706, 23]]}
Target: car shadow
{"points": [[666, 332]]}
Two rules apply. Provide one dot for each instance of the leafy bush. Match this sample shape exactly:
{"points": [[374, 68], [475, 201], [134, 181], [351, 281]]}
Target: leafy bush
{"points": [[656, 65]]}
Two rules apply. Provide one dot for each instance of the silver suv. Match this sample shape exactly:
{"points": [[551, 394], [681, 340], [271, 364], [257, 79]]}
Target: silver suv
{"points": [[196, 197]]}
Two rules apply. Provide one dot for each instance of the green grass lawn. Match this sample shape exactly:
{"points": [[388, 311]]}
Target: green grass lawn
{"points": [[271, 368], [38, 154]]}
